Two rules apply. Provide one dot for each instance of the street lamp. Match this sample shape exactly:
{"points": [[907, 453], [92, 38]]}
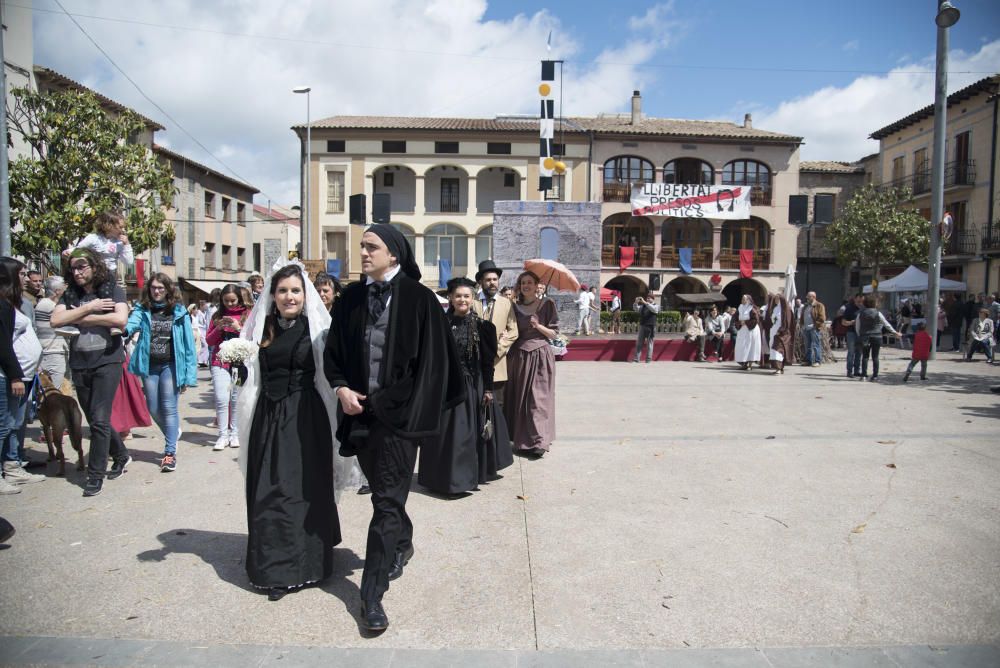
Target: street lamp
{"points": [[306, 209], [947, 16]]}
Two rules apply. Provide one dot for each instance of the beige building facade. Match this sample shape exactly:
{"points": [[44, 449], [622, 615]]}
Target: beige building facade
{"points": [[443, 176], [970, 177]]}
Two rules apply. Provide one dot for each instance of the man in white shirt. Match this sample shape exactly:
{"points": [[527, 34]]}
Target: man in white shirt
{"points": [[583, 304]]}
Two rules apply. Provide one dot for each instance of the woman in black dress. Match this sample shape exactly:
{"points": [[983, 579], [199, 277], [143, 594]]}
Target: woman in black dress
{"points": [[464, 456], [291, 510]]}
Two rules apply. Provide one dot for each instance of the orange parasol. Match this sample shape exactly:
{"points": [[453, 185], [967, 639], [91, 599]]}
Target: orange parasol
{"points": [[553, 274]]}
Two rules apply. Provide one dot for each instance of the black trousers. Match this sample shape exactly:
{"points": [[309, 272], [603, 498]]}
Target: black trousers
{"points": [[96, 390], [870, 347], [387, 462]]}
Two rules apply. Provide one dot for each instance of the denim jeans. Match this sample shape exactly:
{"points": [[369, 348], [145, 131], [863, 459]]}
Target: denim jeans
{"points": [[974, 346], [645, 338], [225, 401], [814, 349], [161, 398], [923, 368], [13, 411], [870, 347], [96, 390], [956, 336], [853, 354]]}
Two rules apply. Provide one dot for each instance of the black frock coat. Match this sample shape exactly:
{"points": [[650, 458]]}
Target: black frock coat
{"points": [[420, 376]]}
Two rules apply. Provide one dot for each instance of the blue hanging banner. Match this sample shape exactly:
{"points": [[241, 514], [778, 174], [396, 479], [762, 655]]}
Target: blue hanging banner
{"points": [[684, 260], [333, 268], [444, 273]]}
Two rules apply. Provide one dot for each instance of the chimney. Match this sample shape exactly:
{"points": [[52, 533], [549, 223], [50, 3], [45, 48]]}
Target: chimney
{"points": [[636, 107], [747, 121]]}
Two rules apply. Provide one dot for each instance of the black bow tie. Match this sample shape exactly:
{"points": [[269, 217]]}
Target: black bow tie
{"points": [[378, 297]]}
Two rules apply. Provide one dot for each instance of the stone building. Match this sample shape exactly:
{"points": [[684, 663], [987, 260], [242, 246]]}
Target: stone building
{"points": [[970, 177], [445, 175], [817, 267]]}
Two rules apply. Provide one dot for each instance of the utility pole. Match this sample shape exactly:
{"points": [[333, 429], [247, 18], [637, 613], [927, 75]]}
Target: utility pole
{"points": [[947, 16], [5, 243]]}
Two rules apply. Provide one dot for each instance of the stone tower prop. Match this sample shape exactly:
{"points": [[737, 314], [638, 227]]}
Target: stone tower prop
{"points": [[517, 234]]}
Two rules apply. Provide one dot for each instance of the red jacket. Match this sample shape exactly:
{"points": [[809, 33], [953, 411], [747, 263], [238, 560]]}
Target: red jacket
{"points": [[921, 346]]}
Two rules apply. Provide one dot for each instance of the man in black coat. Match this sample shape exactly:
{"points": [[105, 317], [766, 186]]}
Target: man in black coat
{"points": [[393, 363]]}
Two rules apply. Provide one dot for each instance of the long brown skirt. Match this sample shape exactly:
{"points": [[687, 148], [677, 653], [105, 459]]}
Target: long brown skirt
{"points": [[529, 398]]}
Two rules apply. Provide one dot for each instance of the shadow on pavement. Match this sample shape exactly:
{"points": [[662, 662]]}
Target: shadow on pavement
{"points": [[225, 553]]}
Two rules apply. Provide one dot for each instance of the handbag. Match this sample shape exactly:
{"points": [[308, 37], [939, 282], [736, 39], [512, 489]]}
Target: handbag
{"points": [[486, 433]]}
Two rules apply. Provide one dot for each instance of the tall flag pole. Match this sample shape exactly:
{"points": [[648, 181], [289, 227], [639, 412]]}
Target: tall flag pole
{"points": [[547, 163], [546, 126]]}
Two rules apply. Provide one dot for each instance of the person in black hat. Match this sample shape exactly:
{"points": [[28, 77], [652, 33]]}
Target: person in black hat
{"points": [[393, 363], [498, 310]]}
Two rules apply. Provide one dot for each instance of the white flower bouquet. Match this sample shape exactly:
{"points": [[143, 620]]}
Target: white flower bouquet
{"points": [[235, 352], [559, 344]]}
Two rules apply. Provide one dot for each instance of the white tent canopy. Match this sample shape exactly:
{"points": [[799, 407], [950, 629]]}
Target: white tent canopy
{"points": [[914, 280]]}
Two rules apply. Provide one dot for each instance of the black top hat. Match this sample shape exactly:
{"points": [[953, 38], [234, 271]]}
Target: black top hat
{"points": [[487, 265]]}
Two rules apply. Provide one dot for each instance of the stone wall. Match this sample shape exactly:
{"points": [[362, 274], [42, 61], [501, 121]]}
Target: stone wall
{"points": [[517, 229]]}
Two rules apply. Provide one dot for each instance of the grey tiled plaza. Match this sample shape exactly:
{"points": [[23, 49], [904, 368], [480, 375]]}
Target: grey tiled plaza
{"points": [[688, 515]]}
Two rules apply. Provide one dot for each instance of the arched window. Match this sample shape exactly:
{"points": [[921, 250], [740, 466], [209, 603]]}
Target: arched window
{"points": [[549, 243], [693, 233], [621, 173], [484, 244], [623, 230], [688, 170], [750, 173], [737, 235], [446, 242]]}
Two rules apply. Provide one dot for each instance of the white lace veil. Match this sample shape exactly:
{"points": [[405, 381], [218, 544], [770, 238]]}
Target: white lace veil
{"points": [[346, 473]]}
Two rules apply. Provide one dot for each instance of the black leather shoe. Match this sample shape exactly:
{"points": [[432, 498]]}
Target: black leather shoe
{"points": [[276, 593], [402, 558], [373, 616]]}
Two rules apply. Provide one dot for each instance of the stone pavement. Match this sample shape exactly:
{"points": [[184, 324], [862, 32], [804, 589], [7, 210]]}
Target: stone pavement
{"points": [[689, 515]]}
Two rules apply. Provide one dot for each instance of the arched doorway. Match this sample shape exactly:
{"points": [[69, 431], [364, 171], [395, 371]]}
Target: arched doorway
{"points": [[630, 287], [682, 285], [735, 290]]}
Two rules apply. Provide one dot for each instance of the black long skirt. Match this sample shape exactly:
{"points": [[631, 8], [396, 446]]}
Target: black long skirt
{"points": [[291, 514], [459, 460]]}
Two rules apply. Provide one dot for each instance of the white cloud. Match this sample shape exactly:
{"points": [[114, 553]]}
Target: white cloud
{"points": [[836, 121], [852, 45], [381, 57]]}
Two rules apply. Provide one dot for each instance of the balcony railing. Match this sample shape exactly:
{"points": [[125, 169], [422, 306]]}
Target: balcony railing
{"points": [[962, 242], [643, 256], [701, 258], [957, 174], [991, 240], [729, 258], [619, 192]]}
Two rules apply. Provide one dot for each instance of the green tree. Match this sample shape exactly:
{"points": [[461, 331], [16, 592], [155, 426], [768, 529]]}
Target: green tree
{"points": [[879, 226], [84, 161]]}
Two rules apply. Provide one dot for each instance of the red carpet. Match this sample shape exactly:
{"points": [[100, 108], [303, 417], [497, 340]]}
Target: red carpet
{"points": [[606, 349]]}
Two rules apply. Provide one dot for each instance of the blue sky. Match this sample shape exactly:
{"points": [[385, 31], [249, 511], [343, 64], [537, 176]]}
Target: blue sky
{"points": [[830, 72], [845, 38]]}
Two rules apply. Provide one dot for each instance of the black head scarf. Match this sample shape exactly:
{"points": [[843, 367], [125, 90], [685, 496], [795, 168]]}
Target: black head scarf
{"points": [[398, 246]]}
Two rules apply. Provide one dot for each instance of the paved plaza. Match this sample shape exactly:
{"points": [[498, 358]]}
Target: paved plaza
{"points": [[688, 515]]}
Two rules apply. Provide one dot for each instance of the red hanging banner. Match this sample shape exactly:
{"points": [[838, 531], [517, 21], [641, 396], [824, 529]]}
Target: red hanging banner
{"points": [[140, 273], [626, 257], [746, 263]]}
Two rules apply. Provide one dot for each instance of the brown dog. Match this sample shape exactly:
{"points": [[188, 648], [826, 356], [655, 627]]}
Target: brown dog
{"points": [[59, 414]]}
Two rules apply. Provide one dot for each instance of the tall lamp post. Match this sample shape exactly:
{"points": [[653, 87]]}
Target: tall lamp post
{"points": [[306, 208], [947, 16]]}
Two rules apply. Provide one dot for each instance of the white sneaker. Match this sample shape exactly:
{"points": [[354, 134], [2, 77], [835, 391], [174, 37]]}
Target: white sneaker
{"points": [[7, 488], [221, 442], [234, 441], [16, 475]]}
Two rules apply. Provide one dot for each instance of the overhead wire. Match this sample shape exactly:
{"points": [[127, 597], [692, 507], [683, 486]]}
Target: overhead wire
{"points": [[381, 47], [150, 100]]}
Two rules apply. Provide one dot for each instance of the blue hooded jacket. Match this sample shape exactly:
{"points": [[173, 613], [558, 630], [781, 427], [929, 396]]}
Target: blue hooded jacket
{"points": [[185, 356]]}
